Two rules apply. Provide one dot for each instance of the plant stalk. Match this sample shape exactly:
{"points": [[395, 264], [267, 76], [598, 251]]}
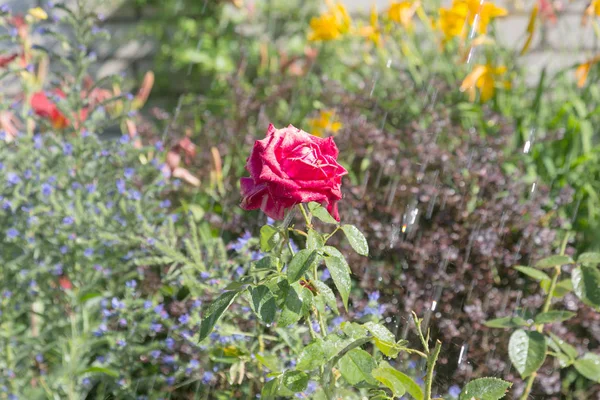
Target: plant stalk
{"points": [[431, 361]]}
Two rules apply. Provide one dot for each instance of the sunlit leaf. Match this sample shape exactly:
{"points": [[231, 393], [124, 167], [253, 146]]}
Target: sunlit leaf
{"points": [[341, 277], [554, 261], [586, 284], [357, 239], [553, 316], [269, 237], [387, 375], [485, 389], [589, 258], [356, 366], [506, 322], [589, 366], [527, 351], [302, 261], [532, 273]]}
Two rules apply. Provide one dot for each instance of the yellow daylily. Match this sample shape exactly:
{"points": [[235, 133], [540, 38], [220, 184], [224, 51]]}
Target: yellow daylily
{"points": [[330, 25], [592, 10], [372, 32], [403, 12], [38, 13], [483, 77], [478, 14], [324, 123], [583, 70]]}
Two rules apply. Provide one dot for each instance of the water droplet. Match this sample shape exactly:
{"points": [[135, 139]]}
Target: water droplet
{"points": [[389, 63], [533, 187], [527, 147], [433, 305]]}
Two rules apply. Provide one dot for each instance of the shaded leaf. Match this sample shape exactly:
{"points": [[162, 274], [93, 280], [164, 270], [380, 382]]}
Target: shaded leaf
{"points": [[302, 261], [292, 306], [563, 346], [485, 389], [269, 391], [212, 314], [268, 262], [315, 240], [263, 303], [562, 288], [296, 381], [101, 370], [586, 284], [327, 295], [387, 375], [312, 356], [527, 351]]}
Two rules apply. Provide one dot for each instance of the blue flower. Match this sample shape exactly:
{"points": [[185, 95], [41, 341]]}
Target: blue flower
{"points": [[147, 304], [13, 178], [196, 304], [90, 187], [68, 220], [374, 296], [204, 275], [88, 252], [121, 186], [207, 377], [117, 304], [12, 233], [184, 319], [121, 343], [169, 359], [131, 284], [165, 203], [58, 269], [46, 189], [135, 195], [86, 382], [129, 172], [239, 244], [67, 149], [27, 174], [170, 381], [6, 204], [325, 275], [64, 249], [170, 342], [155, 354], [124, 139], [155, 327], [454, 391], [159, 146]]}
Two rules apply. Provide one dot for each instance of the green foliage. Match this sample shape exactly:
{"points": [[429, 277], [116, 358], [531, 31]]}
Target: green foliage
{"points": [[527, 351], [485, 389]]}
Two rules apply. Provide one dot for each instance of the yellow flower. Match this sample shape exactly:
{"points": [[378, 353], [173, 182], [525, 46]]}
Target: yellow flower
{"points": [[583, 70], [592, 9], [372, 32], [483, 77], [38, 13], [477, 13], [402, 12], [324, 123], [331, 24], [530, 28]]}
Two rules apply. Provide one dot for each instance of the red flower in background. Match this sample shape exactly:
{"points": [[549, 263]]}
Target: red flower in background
{"points": [[290, 167], [45, 108]]}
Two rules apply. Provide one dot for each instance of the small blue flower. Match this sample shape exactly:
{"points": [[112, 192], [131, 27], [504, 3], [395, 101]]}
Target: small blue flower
{"points": [[58, 269], [64, 249], [13, 178], [39, 358], [90, 187], [117, 304], [76, 185], [68, 220], [454, 391], [207, 377], [197, 303], [135, 195], [27, 174], [124, 139], [131, 284], [88, 252], [67, 149], [46, 189], [6, 204], [155, 354], [129, 172], [169, 359], [155, 327], [121, 186], [165, 203], [121, 343], [170, 342], [374, 296], [325, 275], [12, 233], [86, 382], [147, 304], [170, 381], [184, 319]]}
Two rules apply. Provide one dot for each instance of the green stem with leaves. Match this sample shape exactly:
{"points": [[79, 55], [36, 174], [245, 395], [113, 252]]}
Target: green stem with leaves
{"points": [[546, 308]]}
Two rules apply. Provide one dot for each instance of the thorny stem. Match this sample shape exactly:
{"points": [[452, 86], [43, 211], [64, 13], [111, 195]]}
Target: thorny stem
{"points": [[545, 308], [431, 360]]}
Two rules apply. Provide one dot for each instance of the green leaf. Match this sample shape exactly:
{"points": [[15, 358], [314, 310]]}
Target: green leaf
{"points": [[589, 258], [589, 366], [312, 356], [270, 361], [384, 339], [354, 330], [356, 239], [268, 262], [532, 273], [356, 366], [302, 261], [292, 306], [506, 322], [553, 316], [387, 375], [296, 381], [341, 277], [327, 295], [562, 288], [333, 252], [214, 311], [485, 389], [527, 351], [554, 261], [315, 240], [321, 213], [263, 303], [586, 284], [269, 391], [563, 346], [100, 370], [269, 237], [409, 384]]}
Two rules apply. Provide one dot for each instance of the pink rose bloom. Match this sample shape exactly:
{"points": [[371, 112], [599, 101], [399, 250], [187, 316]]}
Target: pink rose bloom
{"points": [[290, 167]]}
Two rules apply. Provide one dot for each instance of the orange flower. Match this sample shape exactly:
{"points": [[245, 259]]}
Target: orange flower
{"points": [[483, 77], [583, 70], [324, 123], [477, 13]]}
